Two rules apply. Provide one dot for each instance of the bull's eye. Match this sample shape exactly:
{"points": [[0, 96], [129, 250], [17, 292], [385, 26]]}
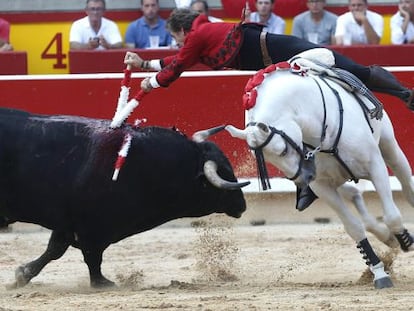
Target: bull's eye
{"points": [[284, 152]]}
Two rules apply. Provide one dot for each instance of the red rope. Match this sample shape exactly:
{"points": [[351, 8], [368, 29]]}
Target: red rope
{"points": [[127, 78], [140, 95]]}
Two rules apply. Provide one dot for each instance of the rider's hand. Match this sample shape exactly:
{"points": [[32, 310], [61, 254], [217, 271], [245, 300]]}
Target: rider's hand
{"points": [[133, 59], [146, 85]]}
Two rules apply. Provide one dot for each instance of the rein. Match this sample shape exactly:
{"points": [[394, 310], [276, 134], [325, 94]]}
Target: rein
{"points": [[261, 164]]}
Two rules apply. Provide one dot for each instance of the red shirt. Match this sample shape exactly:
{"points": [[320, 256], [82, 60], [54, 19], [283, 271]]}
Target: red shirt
{"points": [[212, 44]]}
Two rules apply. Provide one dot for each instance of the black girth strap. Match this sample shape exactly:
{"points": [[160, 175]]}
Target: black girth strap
{"points": [[334, 149]]}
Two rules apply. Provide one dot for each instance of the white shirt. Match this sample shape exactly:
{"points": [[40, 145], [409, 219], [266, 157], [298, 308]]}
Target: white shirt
{"points": [[183, 4], [81, 31], [397, 35], [275, 24], [213, 19], [346, 25]]}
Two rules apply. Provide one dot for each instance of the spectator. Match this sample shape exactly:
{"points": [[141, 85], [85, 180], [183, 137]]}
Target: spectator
{"points": [[315, 25], [150, 24], [264, 15], [5, 36], [359, 25], [201, 7], [94, 32], [402, 23]]}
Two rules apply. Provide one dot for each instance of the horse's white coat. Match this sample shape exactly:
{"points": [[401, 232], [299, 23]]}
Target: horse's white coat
{"points": [[294, 104]]}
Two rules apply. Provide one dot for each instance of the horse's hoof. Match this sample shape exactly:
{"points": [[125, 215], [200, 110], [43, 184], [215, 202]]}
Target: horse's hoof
{"points": [[384, 282], [21, 278]]}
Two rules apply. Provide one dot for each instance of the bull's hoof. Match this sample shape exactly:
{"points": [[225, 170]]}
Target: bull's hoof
{"points": [[21, 277], [102, 283], [384, 282]]}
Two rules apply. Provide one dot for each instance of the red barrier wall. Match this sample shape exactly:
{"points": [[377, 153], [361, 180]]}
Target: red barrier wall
{"points": [[196, 101], [13, 63], [112, 60]]}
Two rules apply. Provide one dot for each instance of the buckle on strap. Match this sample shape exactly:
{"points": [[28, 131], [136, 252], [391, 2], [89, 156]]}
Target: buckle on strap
{"points": [[267, 61]]}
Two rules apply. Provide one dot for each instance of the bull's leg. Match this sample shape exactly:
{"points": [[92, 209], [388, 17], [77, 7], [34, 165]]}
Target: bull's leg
{"points": [[381, 231], [354, 227], [392, 216], [93, 258], [58, 244]]}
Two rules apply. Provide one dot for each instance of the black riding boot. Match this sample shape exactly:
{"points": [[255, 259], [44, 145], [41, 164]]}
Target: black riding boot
{"points": [[304, 198], [383, 81]]}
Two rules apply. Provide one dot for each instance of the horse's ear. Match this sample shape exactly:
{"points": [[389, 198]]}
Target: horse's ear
{"points": [[263, 127]]}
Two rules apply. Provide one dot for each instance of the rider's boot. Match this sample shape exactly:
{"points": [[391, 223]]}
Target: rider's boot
{"points": [[304, 198], [383, 81]]}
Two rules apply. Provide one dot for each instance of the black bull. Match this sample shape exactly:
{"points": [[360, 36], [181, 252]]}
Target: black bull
{"points": [[56, 171]]}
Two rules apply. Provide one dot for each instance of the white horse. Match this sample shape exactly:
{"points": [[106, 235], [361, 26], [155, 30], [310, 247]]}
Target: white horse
{"points": [[294, 113]]}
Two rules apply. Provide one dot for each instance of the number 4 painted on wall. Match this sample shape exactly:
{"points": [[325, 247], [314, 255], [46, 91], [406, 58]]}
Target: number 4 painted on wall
{"points": [[58, 55]]}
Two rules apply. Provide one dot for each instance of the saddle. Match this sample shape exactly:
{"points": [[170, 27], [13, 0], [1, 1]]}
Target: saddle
{"points": [[321, 62]]}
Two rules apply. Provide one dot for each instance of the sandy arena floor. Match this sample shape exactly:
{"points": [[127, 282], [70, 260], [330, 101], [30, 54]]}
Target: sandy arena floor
{"points": [[290, 263]]}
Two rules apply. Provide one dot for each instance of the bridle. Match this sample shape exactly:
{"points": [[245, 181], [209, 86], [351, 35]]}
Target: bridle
{"points": [[258, 150]]}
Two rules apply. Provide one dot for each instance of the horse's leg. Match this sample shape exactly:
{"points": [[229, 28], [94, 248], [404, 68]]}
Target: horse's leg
{"points": [[354, 227], [381, 231], [392, 216], [396, 159], [58, 244]]}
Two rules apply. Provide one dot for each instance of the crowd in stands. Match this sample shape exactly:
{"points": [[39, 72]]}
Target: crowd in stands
{"points": [[357, 26]]}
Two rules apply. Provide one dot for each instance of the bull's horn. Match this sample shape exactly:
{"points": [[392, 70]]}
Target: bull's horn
{"points": [[201, 136], [235, 132], [210, 170]]}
